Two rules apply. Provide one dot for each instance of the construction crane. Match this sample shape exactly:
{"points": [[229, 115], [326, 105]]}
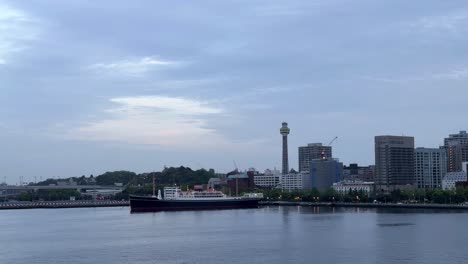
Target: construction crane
{"points": [[333, 140]]}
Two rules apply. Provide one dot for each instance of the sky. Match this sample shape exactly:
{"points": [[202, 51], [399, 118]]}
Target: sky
{"points": [[93, 86]]}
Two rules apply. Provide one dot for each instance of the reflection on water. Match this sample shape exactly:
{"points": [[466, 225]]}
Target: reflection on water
{"points": [[265, 235], [395, 224]]}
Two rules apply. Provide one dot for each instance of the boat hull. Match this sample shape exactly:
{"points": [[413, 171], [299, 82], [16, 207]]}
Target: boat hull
{"points": [[152, 204]]}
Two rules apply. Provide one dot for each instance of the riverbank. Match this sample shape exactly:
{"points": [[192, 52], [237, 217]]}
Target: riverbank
{"points": [[61, 204], [368, 205]]}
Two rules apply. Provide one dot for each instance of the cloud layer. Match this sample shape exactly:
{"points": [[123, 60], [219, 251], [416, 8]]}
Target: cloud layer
{"points": [[132, 67], [189, 80], [16, 30], [155, 120]]}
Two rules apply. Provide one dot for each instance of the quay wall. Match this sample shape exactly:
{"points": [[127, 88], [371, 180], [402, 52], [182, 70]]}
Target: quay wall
{"points": [[61, 204], [368, 205]]}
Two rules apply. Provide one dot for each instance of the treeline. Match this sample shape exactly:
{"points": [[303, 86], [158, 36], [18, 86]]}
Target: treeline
{"points": [[52, 195], [181, 176], [140, 184], [457, 196]]}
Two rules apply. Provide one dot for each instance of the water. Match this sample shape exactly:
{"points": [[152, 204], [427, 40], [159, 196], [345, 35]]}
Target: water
{"points": [[266, 235]]}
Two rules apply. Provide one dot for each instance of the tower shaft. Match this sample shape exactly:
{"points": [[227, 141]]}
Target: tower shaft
{"points": [[285, 155]]}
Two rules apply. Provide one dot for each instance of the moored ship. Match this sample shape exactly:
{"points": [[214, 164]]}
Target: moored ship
{"points": [[175, 200]]}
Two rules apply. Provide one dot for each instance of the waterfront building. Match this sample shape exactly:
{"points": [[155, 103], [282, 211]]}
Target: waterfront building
{"points": [[269, 179], [343, 187], [293, 181], [240, 182], [430, 167], [310, 152], [323, 173], [284, 131], [452, 178], [359, 173], [456, 146], [394, 161]]}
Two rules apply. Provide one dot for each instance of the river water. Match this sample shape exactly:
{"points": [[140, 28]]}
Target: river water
{"points": [[265, 235]]}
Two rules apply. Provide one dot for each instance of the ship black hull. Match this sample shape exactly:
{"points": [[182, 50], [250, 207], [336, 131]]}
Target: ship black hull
{"points": [[151, 204]]}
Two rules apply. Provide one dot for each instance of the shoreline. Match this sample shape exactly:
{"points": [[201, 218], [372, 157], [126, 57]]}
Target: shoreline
{"points": [[367, 205], [84, 204]]}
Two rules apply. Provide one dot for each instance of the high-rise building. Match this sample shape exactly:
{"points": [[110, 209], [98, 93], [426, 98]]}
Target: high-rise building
{"points": [[430, 167], [313, 151], [284, 131], [323, 173], [457, 139], [456, 146], [394, 161]]}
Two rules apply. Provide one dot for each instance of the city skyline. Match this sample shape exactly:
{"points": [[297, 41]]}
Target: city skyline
{"points": [[174, 84]]}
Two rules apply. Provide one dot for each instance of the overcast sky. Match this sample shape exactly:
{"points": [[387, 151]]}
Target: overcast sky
{"points": [[94, 86]]}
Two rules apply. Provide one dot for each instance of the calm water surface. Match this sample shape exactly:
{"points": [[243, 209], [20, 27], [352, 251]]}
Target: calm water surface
{"points": [[266, 235]]}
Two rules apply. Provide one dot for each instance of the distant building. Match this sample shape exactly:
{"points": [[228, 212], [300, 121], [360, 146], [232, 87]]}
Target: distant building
{"points": [[293, 181], [394, 161], [240, 182], [354, 172], [343, 187], [323, 173], [456, 146], [312, 151], [452, 178], [69, 182], [457, 139], [216, 183], [269, 179], [430, 167]]}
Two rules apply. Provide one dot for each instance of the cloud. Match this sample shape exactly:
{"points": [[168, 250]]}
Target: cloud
{"points": [[171, 122], [456, 74], [454, 23], [16, 30], [173, 104], [135, 67], [289, 8]]}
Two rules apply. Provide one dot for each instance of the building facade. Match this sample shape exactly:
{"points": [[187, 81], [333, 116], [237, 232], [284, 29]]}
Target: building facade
{"points": [[293, 181], [456, 146], [310, 152], [241, 182], [457, 139], [451, 178], [394, 161], [343, 187], [355, 172], [323, 173], [430, 167], [269, 179]]}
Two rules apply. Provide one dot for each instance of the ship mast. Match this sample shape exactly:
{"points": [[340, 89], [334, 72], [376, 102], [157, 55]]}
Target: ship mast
{"points": [[154, 187], [237, 185]]}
